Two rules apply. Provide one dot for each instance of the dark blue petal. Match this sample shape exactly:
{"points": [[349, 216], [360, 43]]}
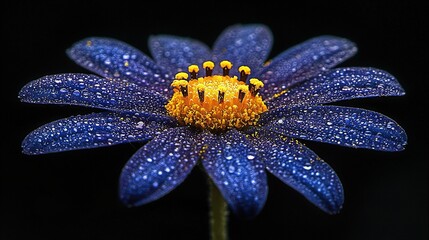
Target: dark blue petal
{"points": [[159, 166], [340, 84], [301, 169], [304, 61], [115, 59], [90, 131], [93, 91], [247, 45], [233, 165], [345, 126], [177, 53]]}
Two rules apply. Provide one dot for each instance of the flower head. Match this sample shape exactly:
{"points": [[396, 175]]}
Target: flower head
{"points": [[227, 107]]}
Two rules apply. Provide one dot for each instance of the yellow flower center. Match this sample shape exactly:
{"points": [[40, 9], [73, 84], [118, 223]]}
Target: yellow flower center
{"points": [[216, 102]]}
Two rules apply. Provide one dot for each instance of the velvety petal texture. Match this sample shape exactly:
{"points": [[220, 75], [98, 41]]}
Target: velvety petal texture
{"points": [[112, 58], [232, 163], [177, 53], [301, 169], [247, 45], [340, 84], [159, 166], [304, 61], [91, 131], [93, 91], [345, 126]]}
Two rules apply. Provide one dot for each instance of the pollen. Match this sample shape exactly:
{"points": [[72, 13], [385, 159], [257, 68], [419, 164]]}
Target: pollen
{"points": [[216, 102]]}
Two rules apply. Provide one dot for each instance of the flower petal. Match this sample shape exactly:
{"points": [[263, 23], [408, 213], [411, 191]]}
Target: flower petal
{"points": [[246, 45], [91, 131], [232, 164], [115, 59], [93, 91], [159, 166], [340, 84], [301, 169], [345, 126], [304, 61], [177, 53]]}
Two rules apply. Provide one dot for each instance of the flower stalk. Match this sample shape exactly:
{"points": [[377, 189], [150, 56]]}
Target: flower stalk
{"points": [[218, 214]]}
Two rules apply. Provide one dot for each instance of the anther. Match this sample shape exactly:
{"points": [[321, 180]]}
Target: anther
{"points": [[244, 73], [226, 66], [200, 89], [254, 86], [208, 66], [184, 90], [221, 94], [181, 76], [193, 70], [242, 90], [181, 85]]}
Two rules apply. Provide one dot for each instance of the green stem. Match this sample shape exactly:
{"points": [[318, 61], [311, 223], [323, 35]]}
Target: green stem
{"points": [[218, 214]]}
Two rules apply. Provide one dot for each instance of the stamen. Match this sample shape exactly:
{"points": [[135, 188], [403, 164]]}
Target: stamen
{"points": [[200, 89], [181, 85], [184, 90], [208, 66], [181, 76], [226, 66], [244, 73], [221, 94], [242, 90], [193, 70], [254, 86]]}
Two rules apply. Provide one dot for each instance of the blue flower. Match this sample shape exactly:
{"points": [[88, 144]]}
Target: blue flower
{"points": [[240, 120]]}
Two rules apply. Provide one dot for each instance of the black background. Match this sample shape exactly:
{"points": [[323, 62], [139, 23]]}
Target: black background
{"points": [[73, 195]]}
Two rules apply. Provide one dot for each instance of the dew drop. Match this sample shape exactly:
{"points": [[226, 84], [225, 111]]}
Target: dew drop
{"points": [[306, 167], [76, 93], [250, 157], [140, 125], [334, 48], [346, 88]]}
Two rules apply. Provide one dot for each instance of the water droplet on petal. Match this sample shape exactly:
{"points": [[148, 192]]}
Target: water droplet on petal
{"points": [[307, 167], [347, 88], [76, 93]]}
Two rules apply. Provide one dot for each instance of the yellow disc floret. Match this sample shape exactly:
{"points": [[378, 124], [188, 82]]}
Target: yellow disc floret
{"points": [[216, 102]]}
